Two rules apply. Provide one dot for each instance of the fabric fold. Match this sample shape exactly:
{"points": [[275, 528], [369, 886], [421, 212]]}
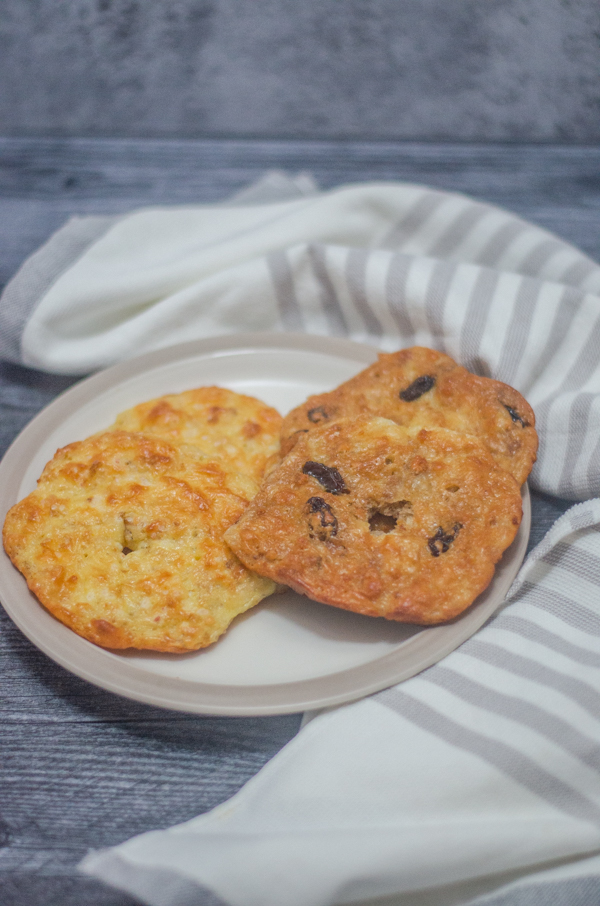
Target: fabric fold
{"points": [[389, 264], [482, 768]]}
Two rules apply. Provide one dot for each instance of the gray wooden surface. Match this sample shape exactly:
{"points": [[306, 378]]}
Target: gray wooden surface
{"points": [[80, 768]]}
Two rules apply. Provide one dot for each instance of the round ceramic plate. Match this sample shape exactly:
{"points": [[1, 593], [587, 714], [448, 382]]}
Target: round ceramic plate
{"points": [[288, 654]]}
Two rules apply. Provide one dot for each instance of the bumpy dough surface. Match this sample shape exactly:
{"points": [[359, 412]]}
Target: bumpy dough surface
{"points": [[452, 398], [382, 520], [238, 430], [123, 542]]}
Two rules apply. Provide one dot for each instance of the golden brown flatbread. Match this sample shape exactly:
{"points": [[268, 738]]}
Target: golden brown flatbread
{"points": [[420, 387], [123, 542], [239, 431], [382, 520]]}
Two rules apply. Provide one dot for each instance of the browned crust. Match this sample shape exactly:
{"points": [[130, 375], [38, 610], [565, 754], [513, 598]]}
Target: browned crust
{"points": [[123, 542], [430, 481], [458, 400], [238, 430]]}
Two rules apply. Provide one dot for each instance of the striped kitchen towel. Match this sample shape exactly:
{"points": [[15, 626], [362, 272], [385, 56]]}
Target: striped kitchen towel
{"points": [[476, 782], [385, 263]]}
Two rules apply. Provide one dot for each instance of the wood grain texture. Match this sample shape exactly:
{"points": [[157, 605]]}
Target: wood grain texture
{"points": [[81, 768], [43, 182]]}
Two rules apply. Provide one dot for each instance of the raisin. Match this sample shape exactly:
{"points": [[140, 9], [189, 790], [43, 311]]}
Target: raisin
{"points": [[327, 476], [418, 387], [442, 540], [515, 416], [127, 550], [322, 523], [317, 415]]}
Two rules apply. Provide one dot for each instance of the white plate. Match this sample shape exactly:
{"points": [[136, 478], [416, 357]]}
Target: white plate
{"points": [[288, 654]]}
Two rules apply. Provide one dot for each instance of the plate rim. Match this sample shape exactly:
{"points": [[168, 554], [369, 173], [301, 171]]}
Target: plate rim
{"points": [[201, 698]]}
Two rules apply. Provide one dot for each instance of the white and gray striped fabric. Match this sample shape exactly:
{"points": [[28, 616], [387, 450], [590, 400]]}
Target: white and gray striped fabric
{"points": [[477, 781], [389, 264]]}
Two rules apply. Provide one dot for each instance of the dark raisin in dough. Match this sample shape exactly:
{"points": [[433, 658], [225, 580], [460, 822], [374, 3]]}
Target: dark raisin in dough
{"points": [[442, 540], [322, 523], [515, 416], [327, 476], [418, 387], [317, 415]]}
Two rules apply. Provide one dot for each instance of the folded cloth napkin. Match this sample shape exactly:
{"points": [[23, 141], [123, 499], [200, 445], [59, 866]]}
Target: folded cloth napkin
{"points": [[385, 263], [479, 775], [476, 781]]}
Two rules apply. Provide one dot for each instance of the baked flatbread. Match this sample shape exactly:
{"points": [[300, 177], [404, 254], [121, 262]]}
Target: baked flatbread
{"points": [[420, 387], [382, 520], [123, 542], [239, 431]]}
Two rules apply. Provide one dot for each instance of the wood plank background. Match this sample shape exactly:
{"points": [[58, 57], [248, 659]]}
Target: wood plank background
{"points": [[81, 768]]}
